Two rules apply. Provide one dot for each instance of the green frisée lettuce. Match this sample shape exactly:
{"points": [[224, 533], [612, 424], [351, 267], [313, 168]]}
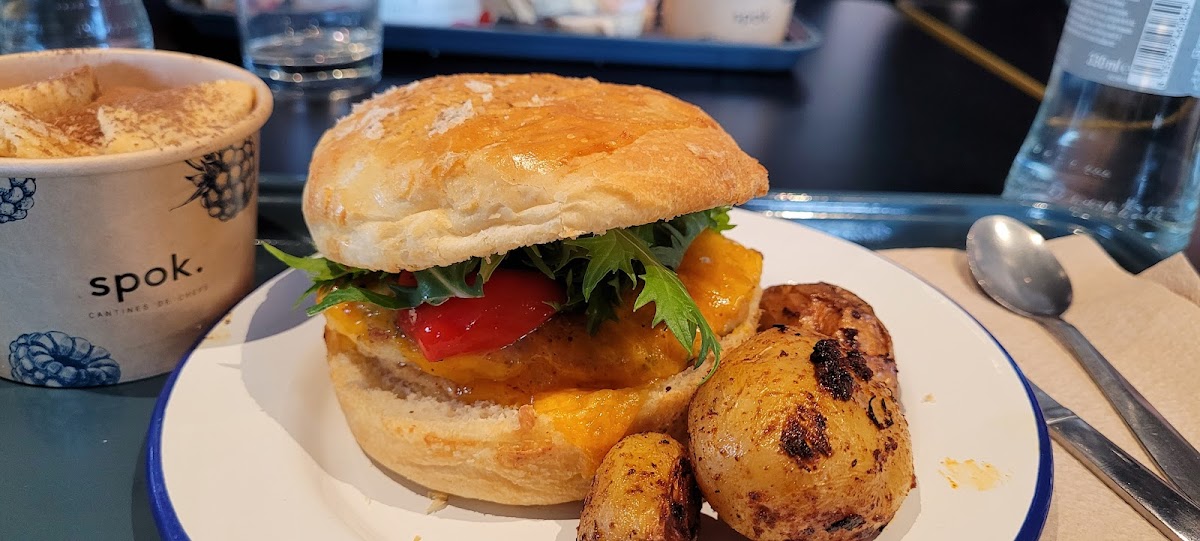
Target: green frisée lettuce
{"points": [[339, 283], [595, 270]]}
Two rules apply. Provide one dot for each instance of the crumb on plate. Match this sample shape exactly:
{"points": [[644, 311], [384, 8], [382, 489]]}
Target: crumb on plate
{"points": [[978, 475], [437, 502]]}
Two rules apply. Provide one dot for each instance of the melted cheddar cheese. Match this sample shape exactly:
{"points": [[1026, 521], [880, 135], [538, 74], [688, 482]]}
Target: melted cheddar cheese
{"points": [[591, 385]]}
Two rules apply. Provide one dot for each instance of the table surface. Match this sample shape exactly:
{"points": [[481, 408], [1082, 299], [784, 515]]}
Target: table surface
{"points": [[882, 106]]}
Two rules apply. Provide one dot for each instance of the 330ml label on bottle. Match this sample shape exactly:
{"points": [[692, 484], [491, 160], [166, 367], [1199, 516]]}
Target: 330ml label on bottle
{"points": [[1147, 45]]}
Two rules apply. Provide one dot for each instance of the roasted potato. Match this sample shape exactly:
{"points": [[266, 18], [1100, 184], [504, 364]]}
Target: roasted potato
{"points": [[833, 311], [792, 438], [643, 491]]}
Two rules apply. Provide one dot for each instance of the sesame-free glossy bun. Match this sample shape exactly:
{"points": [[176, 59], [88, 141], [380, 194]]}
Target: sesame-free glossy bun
{"points": [[449, 168]]}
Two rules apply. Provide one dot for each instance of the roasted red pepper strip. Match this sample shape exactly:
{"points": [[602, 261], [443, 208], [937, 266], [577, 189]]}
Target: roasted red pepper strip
{"points": [[514, 303]]}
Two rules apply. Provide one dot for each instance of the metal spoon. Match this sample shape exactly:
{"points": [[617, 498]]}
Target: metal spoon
{"points": [[1013, 266]]}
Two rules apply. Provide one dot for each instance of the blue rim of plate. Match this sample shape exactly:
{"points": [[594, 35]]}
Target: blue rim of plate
{"points": [[171, 529], [165, 518], [1039, 506]]}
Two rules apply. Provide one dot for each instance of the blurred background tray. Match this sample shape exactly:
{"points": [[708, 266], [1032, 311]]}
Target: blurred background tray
{"points": [[888, 220], [538, 43]]}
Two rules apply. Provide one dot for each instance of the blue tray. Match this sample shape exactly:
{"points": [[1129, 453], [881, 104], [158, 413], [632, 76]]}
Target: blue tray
{"points": [[886, 220], [539, 43]]}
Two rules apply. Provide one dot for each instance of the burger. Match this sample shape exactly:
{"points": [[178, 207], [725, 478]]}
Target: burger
{"points": [[518, 271]]}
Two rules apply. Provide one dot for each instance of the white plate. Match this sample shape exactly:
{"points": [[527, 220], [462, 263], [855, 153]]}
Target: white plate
{"points": [[248, 442]]}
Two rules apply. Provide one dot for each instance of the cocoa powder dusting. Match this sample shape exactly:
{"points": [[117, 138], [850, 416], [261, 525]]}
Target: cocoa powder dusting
{"points": [[175, 107], [82, 124]]}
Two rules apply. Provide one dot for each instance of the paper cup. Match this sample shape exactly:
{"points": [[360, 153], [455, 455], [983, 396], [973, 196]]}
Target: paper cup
{"points": [[113, 266], [743, 21]]}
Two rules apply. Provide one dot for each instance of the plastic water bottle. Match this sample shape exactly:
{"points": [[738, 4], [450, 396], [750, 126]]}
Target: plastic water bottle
{"points": [[35, 25], [1116, 136]]}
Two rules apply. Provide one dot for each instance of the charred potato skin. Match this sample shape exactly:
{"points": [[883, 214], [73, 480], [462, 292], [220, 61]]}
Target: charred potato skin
{"points": [[838, 313], [826, 309], [790, 439], [644, 490]]}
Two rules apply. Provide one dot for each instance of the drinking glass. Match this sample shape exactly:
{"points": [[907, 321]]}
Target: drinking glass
{"points": [[36, 25], [312, 46]]}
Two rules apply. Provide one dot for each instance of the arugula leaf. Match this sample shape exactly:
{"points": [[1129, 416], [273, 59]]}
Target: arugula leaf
{"points": [[567, 254], [437, 284], [672, 303], [489, 265], [349, 284], [720, 219], [682, 231], [317, 268], [611, 257], [606, 256], [351, 293], [538, 262], [603, 304]]}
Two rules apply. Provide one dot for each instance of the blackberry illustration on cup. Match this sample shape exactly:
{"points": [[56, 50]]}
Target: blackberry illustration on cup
{"points": [[56, 359], [16, 198], [225, 180]]}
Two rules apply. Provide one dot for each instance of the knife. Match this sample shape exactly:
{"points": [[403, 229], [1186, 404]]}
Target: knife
{"points": [[1164, 507]]}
